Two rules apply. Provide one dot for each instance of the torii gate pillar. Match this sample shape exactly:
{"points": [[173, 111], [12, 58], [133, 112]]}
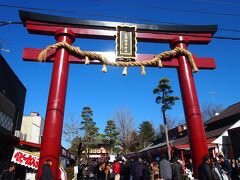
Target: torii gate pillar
{"points": [[52, 134], [196, 133]]}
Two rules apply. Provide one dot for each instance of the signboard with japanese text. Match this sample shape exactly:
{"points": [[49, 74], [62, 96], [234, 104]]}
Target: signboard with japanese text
{"points": [[126, 43], [25, 158]]}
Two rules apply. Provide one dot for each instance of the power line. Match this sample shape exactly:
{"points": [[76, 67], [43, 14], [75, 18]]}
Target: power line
{"points": [[219, 2], [116, 17], [169, 33], [190, 11], [229, 29], [33, 8], [139, 5], [184, 10], [3, 23], [88, 14]]}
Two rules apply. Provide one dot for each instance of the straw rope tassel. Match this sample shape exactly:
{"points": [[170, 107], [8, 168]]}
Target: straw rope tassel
{"points": [[159, 61], [124, 71], [104, 68], [87, 60], [143, 72]]}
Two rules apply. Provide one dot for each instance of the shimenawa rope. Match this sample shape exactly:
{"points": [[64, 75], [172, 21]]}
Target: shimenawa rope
{"points": [[89, 56]]}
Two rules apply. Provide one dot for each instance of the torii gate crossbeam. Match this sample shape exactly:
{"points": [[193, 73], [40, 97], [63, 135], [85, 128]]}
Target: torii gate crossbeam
{"points": [[66, 29]]}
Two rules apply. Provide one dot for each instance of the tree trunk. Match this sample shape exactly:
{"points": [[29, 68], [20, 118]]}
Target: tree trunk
{"points": [[166, 134]]}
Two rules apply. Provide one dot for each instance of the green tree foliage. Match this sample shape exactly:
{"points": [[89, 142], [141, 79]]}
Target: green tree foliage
{"points": [[146, 134], [111, 134], [164, 91], [90, 131], [88, 125], [164, 97], [134, 143]]}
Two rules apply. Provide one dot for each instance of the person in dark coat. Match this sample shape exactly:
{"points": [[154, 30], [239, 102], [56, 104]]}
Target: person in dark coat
{"points": [[9, 174], [132, 168], [189, 165], [177, 170], [47, 171], [226, 166], [139, 170], [235, 170], [125, 171], [165, 168], [204, 170]]}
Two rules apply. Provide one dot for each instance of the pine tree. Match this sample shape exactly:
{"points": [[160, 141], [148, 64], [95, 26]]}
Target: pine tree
{"points": [[134, 143], [89, 128], [111, 134], [146, 133], [164, 91]]}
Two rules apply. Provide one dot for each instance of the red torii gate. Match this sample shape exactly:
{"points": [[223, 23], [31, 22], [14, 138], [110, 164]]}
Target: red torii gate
{"points": [[66, 29]]}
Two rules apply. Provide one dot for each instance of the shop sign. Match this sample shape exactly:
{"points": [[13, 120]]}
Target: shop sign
{"points": [[25, 158]]}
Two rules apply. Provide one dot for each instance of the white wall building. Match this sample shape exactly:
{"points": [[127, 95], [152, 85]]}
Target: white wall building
{"points": [[32, 131], [32, 128], [224, 142]]}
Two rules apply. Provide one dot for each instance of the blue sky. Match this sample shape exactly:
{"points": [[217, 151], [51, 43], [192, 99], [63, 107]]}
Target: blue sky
{"points": [[105, 93]]}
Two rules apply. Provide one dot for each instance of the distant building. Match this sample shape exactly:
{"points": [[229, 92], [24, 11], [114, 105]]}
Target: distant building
{"points": [[27, 152], [97, 151], [222, 133], [12, 98], [32, 128]]}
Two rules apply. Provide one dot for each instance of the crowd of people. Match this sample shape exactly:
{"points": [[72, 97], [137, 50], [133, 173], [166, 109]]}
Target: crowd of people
{"points": [[210, 169], [133, 170], [219, 169]]}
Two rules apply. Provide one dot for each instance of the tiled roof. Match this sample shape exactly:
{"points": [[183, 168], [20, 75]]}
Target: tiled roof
{"points": [[210, 135], [228, 112]]}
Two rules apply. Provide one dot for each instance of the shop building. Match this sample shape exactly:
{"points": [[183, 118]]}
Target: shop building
{"points": [[27, 152], [12, 98]]}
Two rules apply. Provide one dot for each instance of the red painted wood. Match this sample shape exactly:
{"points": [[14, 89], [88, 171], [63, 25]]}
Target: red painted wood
{"points": [[30, 144], [31, 54], [52, 134], [49, 29], [196, 133]]}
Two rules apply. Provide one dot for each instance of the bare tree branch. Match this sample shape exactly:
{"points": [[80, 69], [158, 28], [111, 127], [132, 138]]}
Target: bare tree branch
{"points": [[210, 110], [72, 129], [125, 126]]}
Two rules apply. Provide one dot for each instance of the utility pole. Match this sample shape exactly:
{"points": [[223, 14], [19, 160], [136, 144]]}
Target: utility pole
{"points": [[213, 93]]}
